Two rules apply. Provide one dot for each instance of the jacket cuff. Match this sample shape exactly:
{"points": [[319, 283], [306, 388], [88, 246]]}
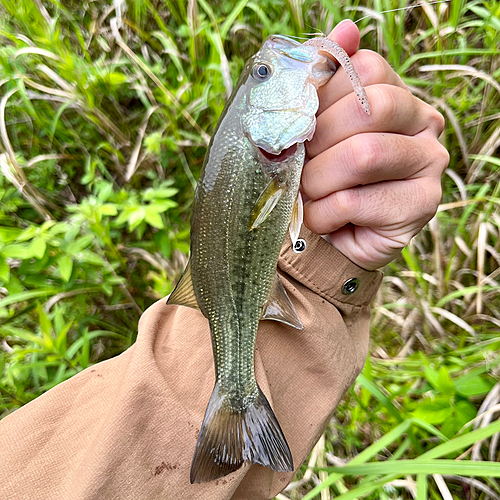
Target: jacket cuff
{"points": [[328, 272]]}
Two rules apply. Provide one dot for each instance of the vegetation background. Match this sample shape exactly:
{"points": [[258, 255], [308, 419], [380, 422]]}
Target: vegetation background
{"points": [[105, 113]]}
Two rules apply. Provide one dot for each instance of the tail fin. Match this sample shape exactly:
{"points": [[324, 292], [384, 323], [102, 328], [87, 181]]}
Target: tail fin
{"points": [[229, 437]]}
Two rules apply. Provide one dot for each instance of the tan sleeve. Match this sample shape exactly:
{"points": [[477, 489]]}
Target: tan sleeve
{"points": [[126, 428]]}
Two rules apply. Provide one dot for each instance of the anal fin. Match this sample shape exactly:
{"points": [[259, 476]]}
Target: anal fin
{"points": [[279, 307], [183, 294]]}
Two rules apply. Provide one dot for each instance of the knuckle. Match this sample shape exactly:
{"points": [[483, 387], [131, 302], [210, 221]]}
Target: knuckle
{"points": [[319, 217], [366, 151], [432, 196], [400, 241], [435, 121], [438, 194], [386, 99], [442, 158], [316, 179], [344, 203], [373, 67]]}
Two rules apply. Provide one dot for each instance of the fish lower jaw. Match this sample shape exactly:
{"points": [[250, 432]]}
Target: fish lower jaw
{"points": [[278, 157]]}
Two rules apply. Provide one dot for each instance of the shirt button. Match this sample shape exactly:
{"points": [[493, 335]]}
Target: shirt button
{"points": [[350, 286], [300, 245]]}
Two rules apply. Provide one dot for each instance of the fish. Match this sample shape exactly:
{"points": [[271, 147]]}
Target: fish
{"points": [[246, 200]]}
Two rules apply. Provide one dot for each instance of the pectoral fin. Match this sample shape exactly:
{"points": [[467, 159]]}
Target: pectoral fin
{"points": [[297, 219], [265, 204], [279, 307], [183, 295]]}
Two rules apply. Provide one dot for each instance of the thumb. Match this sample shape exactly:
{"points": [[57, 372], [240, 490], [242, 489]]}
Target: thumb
{"points": [[346, 34]]}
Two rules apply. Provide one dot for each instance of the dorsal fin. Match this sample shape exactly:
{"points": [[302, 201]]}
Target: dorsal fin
{"points": [[183, 294], [279, 307]]}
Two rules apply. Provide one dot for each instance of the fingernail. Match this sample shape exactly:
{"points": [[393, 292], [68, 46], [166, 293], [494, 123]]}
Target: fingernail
{"points": [[344, 21]]}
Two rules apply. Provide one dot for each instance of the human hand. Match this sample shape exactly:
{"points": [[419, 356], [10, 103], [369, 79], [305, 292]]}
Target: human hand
{"points": [[372, 181]]}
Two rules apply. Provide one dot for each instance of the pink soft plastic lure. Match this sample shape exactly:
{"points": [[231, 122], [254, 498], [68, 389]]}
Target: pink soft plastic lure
{"points": [[334, 49]]}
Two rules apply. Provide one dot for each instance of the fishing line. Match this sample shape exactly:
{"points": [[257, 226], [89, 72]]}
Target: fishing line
{"points": [[401, 8], [365, 17]]}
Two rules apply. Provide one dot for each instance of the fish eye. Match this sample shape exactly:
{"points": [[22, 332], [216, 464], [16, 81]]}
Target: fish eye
{"points": [[261, 72]]}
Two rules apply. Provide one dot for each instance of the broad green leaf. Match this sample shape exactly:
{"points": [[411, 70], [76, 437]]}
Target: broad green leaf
{"points": [[29, 233], [38, 247], [78, 245], [17, 251], [152, 143], [45, 325], [88, 177], [4, 269], [114, 79], [8, 234], [432, 376], [153, 218], [434, 411], [90, 257], [108, 209], [136, 217], [65, 267], [476, 386], [444, 382], [104, 190], [465, 412], [163, 193]]}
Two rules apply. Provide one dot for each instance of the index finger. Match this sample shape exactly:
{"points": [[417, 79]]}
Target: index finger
{"points": [[393, 110]]}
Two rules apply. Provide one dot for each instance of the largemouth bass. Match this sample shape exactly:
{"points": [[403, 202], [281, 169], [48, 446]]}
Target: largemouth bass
{"points": [[246, 199]]}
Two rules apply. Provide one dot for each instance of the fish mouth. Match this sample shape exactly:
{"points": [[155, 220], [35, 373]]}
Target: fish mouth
{"points": [[278, 157]]}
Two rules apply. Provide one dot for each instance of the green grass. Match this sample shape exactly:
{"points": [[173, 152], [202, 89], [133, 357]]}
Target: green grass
{"points": [[104, 122]]}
